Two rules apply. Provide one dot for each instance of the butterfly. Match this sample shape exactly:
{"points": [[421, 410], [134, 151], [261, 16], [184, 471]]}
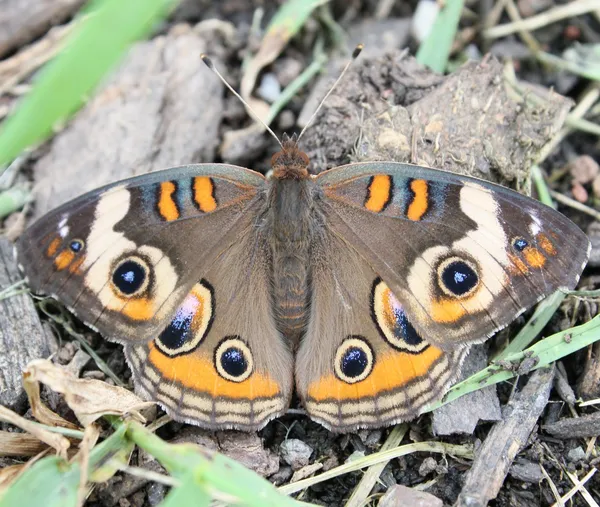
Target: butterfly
{"points": [[362, 288]]}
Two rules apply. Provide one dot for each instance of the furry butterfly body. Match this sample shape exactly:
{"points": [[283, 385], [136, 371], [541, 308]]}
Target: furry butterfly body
{"points": [[362, 288]]}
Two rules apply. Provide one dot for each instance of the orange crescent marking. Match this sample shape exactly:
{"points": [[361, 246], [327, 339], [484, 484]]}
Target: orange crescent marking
{"points": [[166, 204], [64, 259], [380, 190], [393, 370], [446, 311], [420, 202], [53, 247], [197, 372], [204, 189], [546, 244], [534, 257], [139, 309]]}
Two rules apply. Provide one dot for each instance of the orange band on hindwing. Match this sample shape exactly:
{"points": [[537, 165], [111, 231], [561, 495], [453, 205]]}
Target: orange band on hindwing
{"points": [[197, 372], [167, 207], [379, 193], [420, 202], [204, 193], [390, 371]]}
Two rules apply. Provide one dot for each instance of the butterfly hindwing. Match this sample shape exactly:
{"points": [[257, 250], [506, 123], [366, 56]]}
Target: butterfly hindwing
{"points": [[464, 256], [220, 362], [362, 363]]}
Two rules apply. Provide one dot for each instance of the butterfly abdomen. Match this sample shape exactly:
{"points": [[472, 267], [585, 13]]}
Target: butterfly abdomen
{"points": [[292, 230]]}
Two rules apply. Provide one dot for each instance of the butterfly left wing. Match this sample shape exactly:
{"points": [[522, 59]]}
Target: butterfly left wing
{"points": [[361, 363], [463, 256]]}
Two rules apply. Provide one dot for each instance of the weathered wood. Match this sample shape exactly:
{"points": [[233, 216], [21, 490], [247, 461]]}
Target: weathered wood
{"points": [[463, 414], [505, 440], [580, 427], [22, 336], [161, 109], [23, 20]]}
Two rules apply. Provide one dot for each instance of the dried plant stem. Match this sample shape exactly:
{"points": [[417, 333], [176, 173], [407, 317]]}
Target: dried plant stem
{"points": [[569, 10]]}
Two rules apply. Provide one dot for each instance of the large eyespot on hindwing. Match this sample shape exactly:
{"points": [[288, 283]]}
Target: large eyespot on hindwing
{"points": [[354, 360], [391, 320], [457, 277], [233, 359], [191, 322], [131, 276]]}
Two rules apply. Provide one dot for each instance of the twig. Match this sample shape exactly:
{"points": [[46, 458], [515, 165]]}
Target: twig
{"points": [[584, 105], [364, 487], [505, 440], [528, 39], [576, 8], [575, 204], [578, 486]]}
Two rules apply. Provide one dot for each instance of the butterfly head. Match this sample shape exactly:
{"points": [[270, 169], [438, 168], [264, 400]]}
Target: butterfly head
{"points": [[290, 163]]}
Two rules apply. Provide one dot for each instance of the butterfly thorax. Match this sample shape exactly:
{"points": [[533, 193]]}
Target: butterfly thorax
{"points": [[292, 225]]}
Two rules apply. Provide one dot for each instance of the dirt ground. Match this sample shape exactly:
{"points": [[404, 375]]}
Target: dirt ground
{"points": [[163, 108]]}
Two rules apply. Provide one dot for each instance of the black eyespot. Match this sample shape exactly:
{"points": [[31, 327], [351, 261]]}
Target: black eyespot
{"points": [[129, 277], [76, 245], [520, 244], [234, 362], [353, 360], [233, 359], [458, 277]]}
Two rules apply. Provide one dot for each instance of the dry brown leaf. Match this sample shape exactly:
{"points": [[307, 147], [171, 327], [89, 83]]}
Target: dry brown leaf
{"points": [[40, 411], [54, 440], [20, 444], [88, 398]]}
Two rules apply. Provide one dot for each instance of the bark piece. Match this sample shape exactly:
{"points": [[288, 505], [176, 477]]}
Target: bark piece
{"points": [[23, 20], [22, 336], [505, 440], [161, 109], [580, 427], [463, 414]]}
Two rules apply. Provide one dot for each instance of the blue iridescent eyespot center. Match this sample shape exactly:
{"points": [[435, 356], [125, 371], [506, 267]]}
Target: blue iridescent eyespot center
{"points": [[177, 333], [403, 328], [234, 362], [520, 244], [354, 362], [459, 278], [76, 245], [129, 277]]}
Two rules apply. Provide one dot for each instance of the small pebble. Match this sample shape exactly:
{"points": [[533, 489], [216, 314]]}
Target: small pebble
{"points": [[427, 466], [295, 453], [579, 192], [584, 169], [269, 88], [576, 454], [401, 496]]}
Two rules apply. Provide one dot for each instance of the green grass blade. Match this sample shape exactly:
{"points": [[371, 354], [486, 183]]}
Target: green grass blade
{"points": [[434, 51], [203, 472], [53, 482], [541, 354], [104, 32]]}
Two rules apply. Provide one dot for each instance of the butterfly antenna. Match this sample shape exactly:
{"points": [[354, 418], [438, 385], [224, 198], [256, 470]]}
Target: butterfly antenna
{"points": [[209, 63], [355, 53]]}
